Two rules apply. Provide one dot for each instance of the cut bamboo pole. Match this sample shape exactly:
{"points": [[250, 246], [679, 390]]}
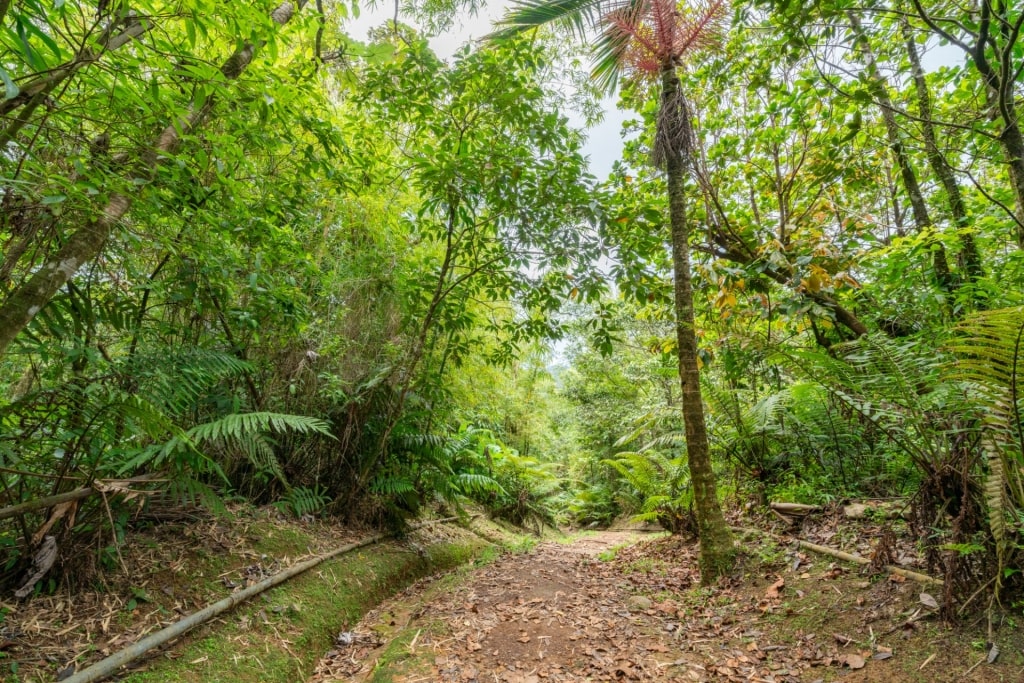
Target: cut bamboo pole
{"points": [[107, 667], [798, 508], [848, 557], [48, 501]]}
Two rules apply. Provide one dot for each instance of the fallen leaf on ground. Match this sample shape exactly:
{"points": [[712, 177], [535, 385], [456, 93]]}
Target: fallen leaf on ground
{"points": [[854, 661], [774, 589]]}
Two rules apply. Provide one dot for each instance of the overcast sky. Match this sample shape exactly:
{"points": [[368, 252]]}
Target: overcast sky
{"points": [[604, 143]]}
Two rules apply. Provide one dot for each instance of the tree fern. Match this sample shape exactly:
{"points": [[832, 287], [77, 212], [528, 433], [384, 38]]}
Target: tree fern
{"points": [[751, 434], [300, 500], [660, 488], [895, 386], [988, 348]]}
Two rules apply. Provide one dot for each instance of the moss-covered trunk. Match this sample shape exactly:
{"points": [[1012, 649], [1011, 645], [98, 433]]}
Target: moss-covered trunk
{"points": [[716, 547]]}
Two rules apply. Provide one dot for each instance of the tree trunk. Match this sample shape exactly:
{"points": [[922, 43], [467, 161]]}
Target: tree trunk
{"points": [[969, 257], [1013, 144], [922, 219], [1001, 80], [87, 242], [716, 547]]}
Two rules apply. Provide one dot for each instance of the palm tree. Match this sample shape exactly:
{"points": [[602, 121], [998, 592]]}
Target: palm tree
{"points": [[651, 38]]}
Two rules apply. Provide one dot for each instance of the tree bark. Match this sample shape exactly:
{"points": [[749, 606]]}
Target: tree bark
{"points": [[716, 547], [922, 218], [969, 258], [1000, 78], [87, 242]]}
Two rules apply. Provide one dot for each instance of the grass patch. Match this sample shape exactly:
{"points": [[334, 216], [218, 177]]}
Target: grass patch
{"points": [[279, 635], [612, 553]]}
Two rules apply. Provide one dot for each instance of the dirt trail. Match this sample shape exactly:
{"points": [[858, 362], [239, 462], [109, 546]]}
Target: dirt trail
{"points": [[525, 618], [561, 613]]}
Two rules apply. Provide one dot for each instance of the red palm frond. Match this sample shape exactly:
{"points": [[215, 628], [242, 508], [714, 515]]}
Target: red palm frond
{"points": [[629, 24], [657, 32], [662, 17], [699, 26]]}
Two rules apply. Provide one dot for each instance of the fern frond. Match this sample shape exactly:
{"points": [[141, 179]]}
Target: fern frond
{"points": [[260, 453], [303, 501], [235, 425], [176, 381], [392, 485], [471, 483], [995, 501], [185, 489], [988, 346], [889, 383]]}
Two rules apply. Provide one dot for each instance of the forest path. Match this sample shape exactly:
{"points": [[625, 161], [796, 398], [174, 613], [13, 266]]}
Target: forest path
{"points": [[557, 613]]}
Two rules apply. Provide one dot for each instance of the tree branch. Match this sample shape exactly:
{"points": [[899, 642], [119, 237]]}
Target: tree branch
{"points": [[87, 242]]}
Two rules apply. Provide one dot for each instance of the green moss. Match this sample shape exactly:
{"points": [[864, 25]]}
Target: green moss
{"points": [[279, 635], [400, 656], [280, 541]]}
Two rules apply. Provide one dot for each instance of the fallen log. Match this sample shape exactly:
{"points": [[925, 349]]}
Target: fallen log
{"points": [[848, 557], [109, 666], [794, 508]]}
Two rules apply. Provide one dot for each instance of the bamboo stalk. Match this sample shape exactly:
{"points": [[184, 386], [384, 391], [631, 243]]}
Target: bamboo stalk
{"points": [[76, 494], [48, 501], [794, 507], [107, 667], [848, 557]]}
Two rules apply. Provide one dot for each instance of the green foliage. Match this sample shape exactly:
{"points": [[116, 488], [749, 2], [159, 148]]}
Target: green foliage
{"points": [[319, 254], [470, 465], [379, 252], [659, 489], [593, 505], [895, 387], [988, 354], [301, 501], [528, 492]]}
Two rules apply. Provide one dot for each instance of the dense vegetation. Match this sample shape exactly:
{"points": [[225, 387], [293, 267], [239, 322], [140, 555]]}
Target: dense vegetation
{"points": [[244, 255]]}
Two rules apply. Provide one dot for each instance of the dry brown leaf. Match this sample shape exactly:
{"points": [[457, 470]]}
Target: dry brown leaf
{"points": [[774, 590], [854, 661]]}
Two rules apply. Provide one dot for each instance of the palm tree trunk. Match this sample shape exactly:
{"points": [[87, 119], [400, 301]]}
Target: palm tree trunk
{"points": [[716, 547]]}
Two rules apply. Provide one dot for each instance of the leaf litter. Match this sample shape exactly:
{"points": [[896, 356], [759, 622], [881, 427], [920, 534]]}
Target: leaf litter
{"points": [[561, 614]]}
